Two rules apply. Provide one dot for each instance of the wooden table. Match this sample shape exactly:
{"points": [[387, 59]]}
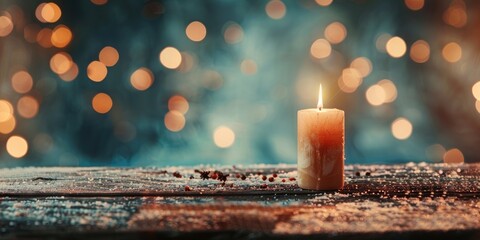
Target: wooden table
{"points": [[411, 201]]}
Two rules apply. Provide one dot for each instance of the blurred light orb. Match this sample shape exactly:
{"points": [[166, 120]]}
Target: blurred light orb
{"points": [[414, 5], [350, 80], [456, 15], [453, 156], [22, 82], [6, 110], [396, 47], [48, 12], [402, 128], [99, 2], [196, 31], [276, 9], [212, 80], [435, 152], [170, 58], [178, 103], [335, 32], [381, 42], [61, 62], [233, 33], [375, 95], [71, 74], [30, 32], [320, 48], [97, 71], [452, 52], [174, 121], [420, 51], [6, 26], [61, 36], [390, 90], [477, 105], [102, 103], [108, 56], [8, 125], [362, 65], [141, 79], [223, 137], [27, 107], [17, 146], [188, 62], [44, 38], [324, 3], [248, 67], [476, 90]]}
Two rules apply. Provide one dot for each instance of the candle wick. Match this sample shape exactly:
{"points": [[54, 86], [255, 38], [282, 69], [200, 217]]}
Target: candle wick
{"points": [[320, 108]]}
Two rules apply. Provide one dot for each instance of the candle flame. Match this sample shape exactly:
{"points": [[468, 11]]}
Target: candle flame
{"points": [[320, 99]]}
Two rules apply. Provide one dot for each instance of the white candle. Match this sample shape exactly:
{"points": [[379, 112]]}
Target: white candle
{"points": [[320, 153]]}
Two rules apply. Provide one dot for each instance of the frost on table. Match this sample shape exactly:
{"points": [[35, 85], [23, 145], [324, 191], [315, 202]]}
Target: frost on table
{"points": [[262, 198]]}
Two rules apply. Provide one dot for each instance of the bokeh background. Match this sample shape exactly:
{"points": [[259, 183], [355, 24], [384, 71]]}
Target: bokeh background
{"points": [[154, 83]]}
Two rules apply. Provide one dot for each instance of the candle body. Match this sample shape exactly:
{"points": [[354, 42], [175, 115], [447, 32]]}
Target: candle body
{"points": [[320, 152]]}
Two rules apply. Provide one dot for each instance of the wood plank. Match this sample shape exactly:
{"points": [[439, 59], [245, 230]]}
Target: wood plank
{"points": [[420, 200]]}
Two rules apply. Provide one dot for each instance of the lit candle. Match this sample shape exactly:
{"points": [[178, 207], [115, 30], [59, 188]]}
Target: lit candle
{"points": [[320, 153]]}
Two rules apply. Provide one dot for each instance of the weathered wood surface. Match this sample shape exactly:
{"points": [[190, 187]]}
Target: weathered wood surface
{"points": [[378, 201]]}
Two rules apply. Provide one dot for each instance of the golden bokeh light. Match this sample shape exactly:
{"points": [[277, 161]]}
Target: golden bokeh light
{"points": [[276, 9], [196, 31], [402, 128], [375, 95], [174, 121], [8, 126], [188, 62], [477, 105], [27, 107], [48, 12], [415, 5], [435, 152], [6, 26], [108, 56], [324, 3], [6, 110], [335, 32], [223, 137], [476, 90], [389, 88], [320, 48], [453, 156], [99, 2], [350, 80], [102, 103], [452, 52], [61, 62], [44, 37], [248, 67], [420, 51], [22, 82], [96, 71], [142, 79], [71, 74], [456, 14], [170, 58], [61, 36], [233, 33], [30, 32], [362, 65], [381, 42], [396, 47], [17, 146], [178, 103]]}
